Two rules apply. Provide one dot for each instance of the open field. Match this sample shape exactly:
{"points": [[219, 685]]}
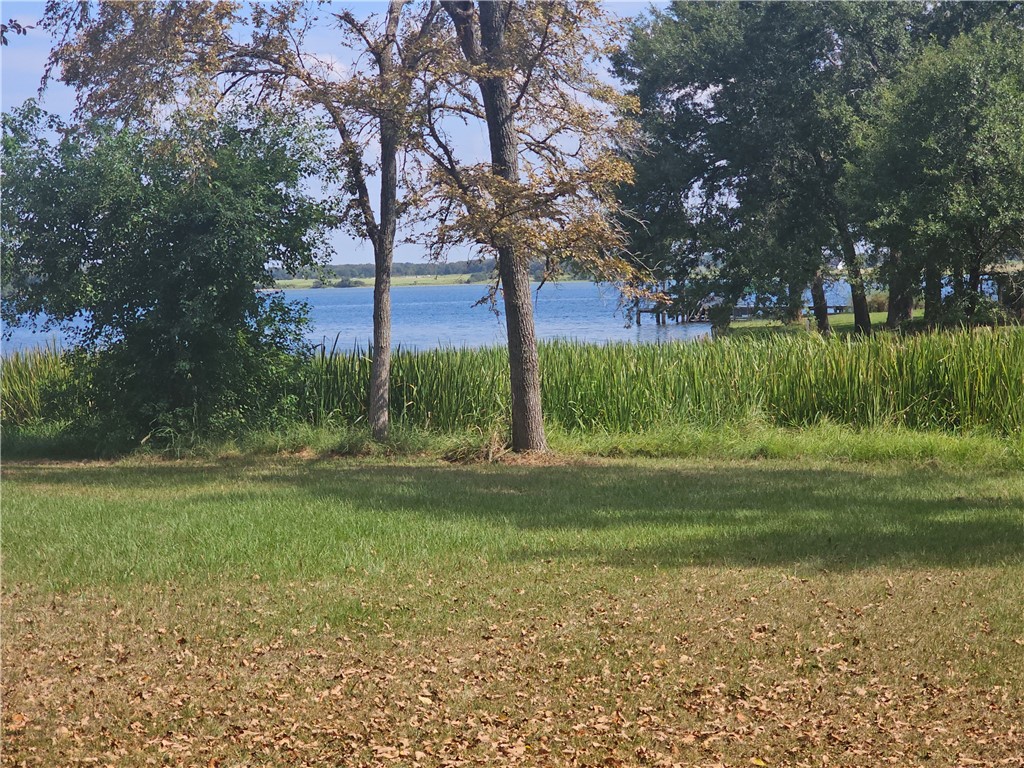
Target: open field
{"points": [[289, 611]]}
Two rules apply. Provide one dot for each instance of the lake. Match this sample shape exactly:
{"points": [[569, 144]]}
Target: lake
{"points": [[427, 317]]}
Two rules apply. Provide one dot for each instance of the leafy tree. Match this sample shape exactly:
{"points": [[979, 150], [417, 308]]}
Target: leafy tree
{"points": [[543, 195], [154, 245], [943, 161], [753, 114], [130, 59], [752, 106], [547, 191]]}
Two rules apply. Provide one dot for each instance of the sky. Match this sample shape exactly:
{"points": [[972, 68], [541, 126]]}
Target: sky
{"points": [[24, 61]]}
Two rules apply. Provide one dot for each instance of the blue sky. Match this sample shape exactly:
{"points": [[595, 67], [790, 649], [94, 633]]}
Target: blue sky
{"points": [[24, 60]]}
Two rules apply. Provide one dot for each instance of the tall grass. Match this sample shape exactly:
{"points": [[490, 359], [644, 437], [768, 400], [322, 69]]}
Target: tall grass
{"points": [[32, 381], [952, 382]]}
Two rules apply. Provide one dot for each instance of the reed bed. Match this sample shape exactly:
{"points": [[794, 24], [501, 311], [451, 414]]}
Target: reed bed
{"points": [[971, 380], [949, 381], [34, 385]]}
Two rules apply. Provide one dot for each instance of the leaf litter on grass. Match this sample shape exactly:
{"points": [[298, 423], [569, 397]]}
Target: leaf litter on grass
{"points": [[558, 664]]}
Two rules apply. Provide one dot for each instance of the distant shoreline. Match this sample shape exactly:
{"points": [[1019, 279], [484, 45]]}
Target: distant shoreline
{"points": [[404, 281]]}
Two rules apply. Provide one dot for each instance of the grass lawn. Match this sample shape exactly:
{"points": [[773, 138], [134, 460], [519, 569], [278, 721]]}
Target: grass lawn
{"points": [[296, 611], [840, 324]]}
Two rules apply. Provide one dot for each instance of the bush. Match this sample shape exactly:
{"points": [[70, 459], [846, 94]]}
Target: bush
{"points": [[878, 302], [162, 240]]}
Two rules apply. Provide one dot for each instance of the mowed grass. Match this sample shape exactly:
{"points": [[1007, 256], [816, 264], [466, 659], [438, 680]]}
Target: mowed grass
{"points": [[291, 611], [839, 323]]}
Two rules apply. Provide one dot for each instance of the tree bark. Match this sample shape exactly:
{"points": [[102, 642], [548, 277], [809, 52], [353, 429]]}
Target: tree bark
{"points": [[861, 315], [379, 393], [378, 408], [932, 293], [973, 298], [901, 289], [524, 367], [794, 303], [820, 304]]}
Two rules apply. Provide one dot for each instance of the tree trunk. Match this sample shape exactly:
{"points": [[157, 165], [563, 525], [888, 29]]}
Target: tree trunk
{"points": [[524, 367], [391, 140], [861, 315], [794, 304], [901, 288], [378, 411], [973, 287], [932, 293], [820, 304]]}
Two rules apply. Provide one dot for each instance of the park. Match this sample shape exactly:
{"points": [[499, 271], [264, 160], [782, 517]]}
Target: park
{"points": [[764, 508]]}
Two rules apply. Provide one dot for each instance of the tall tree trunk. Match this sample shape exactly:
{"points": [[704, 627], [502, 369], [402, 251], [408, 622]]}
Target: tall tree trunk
{"points": [[820, 304], [973, 286], [524, 367], [932, 293], [378, 410], [901, 288], [794, 303], [861, 315]]}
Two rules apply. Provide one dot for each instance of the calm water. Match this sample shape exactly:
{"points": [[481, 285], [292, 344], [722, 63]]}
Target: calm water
{"points": [[426, 317]]}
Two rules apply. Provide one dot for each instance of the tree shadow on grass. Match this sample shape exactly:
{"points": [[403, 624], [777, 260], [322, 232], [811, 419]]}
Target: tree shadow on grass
{"points": [[646, 514]]}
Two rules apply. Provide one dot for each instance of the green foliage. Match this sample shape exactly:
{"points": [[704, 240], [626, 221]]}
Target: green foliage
{"points": [[783, 137], [37, 385], [942, 163], [951, 382], [151, 247], [748, 110]]}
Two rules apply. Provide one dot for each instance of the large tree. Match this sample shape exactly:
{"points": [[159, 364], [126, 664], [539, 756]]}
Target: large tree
{"points": [[753, 113], [754, 103], [129, 60], [943, 160], [546, 192]]}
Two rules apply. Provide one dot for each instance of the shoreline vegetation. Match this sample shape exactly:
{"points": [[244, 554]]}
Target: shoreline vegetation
{"points": [[653, 399], [361, 275], [304, 283], [402, 273], [459, 278]]}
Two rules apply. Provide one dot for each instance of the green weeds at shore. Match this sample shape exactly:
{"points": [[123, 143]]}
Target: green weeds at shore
{"points": [[948, 383]]}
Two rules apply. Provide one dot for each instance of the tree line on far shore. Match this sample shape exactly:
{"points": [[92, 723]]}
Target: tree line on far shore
{"points": [[480, 270]]}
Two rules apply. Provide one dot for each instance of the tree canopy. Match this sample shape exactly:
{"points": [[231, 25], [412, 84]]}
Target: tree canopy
{"points": [[755, 117], [400, 82], [941, 173], [156, 244]]}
